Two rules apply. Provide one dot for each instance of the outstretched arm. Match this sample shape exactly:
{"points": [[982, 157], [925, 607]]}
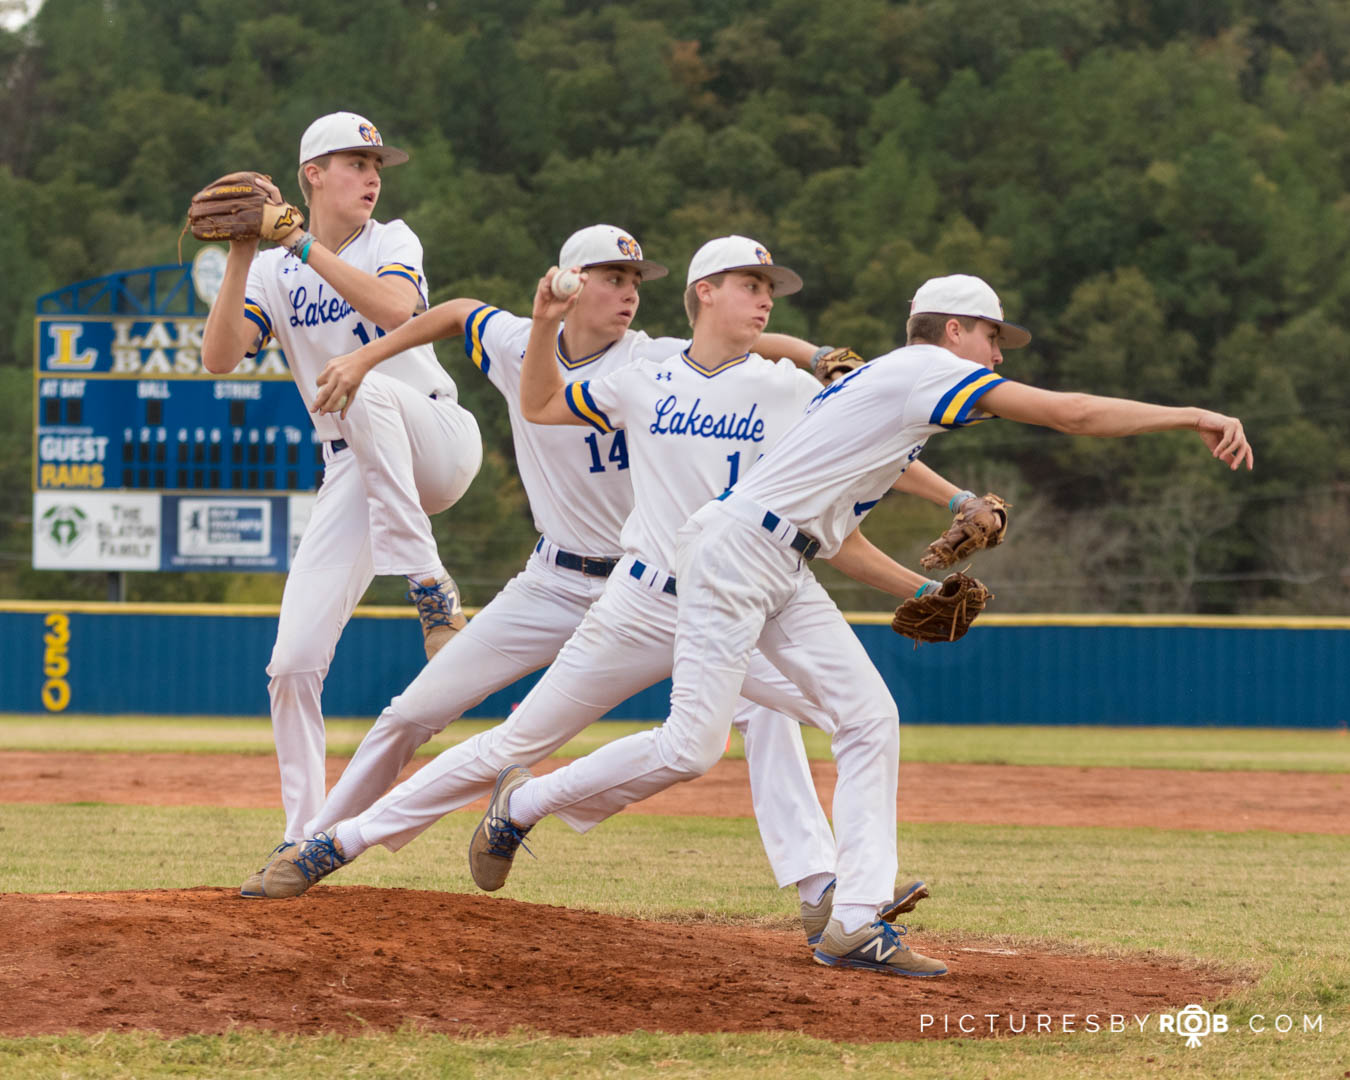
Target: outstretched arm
{"points": [[863, 561], [1088, 414], [785, 347], [542, 389], [923, 482], [343, 374]]}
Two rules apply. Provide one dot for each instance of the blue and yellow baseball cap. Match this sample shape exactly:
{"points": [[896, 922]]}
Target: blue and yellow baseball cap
{"points": [[339, 131]]}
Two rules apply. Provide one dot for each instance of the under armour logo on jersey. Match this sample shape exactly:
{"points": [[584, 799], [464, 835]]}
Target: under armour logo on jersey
{"points": [[664, 375]]}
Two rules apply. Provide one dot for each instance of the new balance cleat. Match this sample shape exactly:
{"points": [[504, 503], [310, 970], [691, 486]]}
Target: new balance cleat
{"points": [[907, 897], [294, 871], [252, 888], [493, 844], [440, 611], [874, 948], [815, 917]]}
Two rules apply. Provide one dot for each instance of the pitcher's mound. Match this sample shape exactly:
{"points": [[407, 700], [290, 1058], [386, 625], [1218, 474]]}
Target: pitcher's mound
{"points": [[351, 959]]}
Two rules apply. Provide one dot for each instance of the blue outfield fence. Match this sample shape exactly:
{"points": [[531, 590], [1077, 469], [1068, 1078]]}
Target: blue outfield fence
{"points": [[167, 659]]}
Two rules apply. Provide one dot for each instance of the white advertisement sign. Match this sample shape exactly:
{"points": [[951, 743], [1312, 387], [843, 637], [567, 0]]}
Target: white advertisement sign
{"points": [[240, 527], [83, 530]]}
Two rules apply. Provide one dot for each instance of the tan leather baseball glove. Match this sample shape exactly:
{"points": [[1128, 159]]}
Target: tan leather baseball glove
{"points": [[981, 522], [943, 614]]}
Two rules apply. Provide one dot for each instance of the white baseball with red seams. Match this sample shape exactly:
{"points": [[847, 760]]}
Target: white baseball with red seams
{"points": [[566, 283]]}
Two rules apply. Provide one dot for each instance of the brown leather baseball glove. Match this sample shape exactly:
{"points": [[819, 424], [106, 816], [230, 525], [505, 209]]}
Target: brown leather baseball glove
{"points": [[980, 523], [835, 364], [943, 614], [235, 207]]}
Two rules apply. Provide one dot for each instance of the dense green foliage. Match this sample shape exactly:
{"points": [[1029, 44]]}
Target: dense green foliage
{"points": [[1158, 189]]}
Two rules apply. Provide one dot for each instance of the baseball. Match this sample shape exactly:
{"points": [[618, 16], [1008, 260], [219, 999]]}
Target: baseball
{"points": [[341, 403], [565, 283]]}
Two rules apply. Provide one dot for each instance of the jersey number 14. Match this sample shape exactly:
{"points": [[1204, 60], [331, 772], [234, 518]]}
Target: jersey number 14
{"points": [[618, 452]]}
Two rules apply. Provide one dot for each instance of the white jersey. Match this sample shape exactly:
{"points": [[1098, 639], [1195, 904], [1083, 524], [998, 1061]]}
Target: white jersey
{"points": [[860, 434], [691, 434], [289, 301], [578, 484]]}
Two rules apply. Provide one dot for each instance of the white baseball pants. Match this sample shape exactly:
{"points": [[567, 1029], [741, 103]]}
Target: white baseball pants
{"points": [[519, 631], [622, 645], [741, 588], [407, 456]]}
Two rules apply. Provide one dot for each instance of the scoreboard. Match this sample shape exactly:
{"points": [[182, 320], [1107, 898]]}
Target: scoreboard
{"points": [[144, 460]]}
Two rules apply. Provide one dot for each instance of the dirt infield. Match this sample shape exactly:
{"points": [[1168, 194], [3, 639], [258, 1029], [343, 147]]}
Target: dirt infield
{"points": [[971, 794], [353, 960]]}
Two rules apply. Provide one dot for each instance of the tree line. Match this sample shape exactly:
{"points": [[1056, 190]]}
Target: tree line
{"points": [[1157, 189]]}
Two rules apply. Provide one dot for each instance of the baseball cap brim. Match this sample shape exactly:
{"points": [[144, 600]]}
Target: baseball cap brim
{"points": [[785, 281], [649, 270], [1010, 335], [388, 155]]}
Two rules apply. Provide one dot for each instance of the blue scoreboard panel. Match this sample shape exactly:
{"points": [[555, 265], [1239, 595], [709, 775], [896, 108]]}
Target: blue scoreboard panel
{"points": [[123, 403], [143, 460]]}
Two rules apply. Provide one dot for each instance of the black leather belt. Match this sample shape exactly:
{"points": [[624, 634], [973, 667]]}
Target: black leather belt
{"points": [[802, 543], [583, 564], [806, 546], [640, 568]]}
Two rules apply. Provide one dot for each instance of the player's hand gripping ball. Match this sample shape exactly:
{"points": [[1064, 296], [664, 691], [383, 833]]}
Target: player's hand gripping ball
{"points": [[566, 283], [943, 614], [237, 207], [980, 523]]}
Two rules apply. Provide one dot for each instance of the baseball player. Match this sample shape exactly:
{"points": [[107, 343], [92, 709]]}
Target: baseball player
{"points": [[580, 492], [693, 422], [405, 448], [744, 584]]}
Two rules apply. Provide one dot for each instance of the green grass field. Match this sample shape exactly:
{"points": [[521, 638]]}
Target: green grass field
{"points": [[1272, 905], [1139, 748]]}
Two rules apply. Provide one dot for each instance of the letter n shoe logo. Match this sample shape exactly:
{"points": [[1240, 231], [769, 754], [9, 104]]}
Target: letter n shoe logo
{"points": [[878, 948]]}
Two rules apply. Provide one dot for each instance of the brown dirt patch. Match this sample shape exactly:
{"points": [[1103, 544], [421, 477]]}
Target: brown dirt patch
{"points": [[973, 794], [351, 959]]}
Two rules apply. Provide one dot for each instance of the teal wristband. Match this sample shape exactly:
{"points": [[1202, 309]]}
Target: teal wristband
{"points": [[957, 499], [300, 248], [927, 587]]}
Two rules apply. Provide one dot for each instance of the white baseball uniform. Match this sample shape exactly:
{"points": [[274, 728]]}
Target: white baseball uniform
{"points": [[744, 584], [405, 450], [579, 484]]}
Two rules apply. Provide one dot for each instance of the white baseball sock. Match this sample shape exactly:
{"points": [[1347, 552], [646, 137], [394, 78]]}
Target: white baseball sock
{"points": [[349, 838], [812, 887], [522, 807], [853, 917]]}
